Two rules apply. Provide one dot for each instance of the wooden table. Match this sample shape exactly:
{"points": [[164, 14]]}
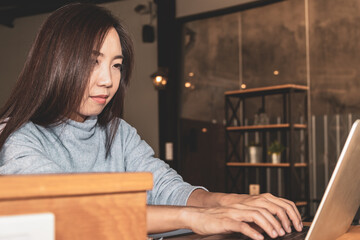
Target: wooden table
{"points": [[86, 206], [352, 234]]}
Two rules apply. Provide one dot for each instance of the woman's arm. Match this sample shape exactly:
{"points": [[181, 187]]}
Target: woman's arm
{"points": [[205, 221], [213, 213], [205, 213]]}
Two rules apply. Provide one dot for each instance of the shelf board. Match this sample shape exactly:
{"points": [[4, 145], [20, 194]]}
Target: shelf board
{"points": [[253, 92], [266, 127], [301, 203], [275, 165]]}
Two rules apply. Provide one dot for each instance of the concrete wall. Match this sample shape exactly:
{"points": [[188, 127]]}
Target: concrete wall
{"points": [[186, 8], [141, 107], [14, 46]]}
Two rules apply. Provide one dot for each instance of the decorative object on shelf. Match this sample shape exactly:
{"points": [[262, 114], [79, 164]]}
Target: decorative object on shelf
{"points": [[160, 78], [255, 152], [275, 150], [261, 118]]}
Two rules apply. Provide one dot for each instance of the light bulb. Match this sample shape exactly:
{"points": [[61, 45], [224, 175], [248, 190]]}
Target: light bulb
{"points": [[158, 79]]}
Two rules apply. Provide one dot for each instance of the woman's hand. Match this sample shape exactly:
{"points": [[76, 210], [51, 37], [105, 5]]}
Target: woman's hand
{"points": [[236, 211], [284, 209], [234, 218], [214, 213], [208, 221]]}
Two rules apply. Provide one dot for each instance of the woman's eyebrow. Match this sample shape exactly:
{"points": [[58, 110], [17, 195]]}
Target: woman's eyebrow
{"points": [[97, 53], [119, 57]]}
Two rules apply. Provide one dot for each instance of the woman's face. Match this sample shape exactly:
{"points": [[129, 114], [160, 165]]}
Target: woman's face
{"points": [[105, 78]]}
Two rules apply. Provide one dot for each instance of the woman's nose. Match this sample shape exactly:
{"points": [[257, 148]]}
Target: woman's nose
{"points": [[104, 77]]}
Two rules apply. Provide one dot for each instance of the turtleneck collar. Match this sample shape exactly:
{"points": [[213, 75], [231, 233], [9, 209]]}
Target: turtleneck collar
{"points": [[80, 130]]}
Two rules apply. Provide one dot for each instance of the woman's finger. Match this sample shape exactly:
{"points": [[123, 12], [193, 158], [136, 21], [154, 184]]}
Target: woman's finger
{"points": [[269, 216], [277, 210], [276, 224], [290, 210], [293, 206], [245, 229], [257, 217]]}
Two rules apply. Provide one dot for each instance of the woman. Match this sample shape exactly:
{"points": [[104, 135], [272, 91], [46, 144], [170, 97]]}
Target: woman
{"points": [[64, 116]]}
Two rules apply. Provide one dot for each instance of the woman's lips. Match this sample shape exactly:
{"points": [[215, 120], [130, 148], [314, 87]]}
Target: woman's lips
{"points": [[101, 99]]}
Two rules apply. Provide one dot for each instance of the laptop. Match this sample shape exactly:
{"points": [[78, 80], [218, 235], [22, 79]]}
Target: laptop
{"points": [[340, 201]]}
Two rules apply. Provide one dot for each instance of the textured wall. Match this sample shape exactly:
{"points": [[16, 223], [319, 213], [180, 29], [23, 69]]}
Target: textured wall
{"points": [[186, 8], [14, 46], [247, 47], [335, 56], [211, 52], [273, 38]]}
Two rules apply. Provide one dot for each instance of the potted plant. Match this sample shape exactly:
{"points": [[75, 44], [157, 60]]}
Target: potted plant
{"points": [[275, 150], [255, 152]]}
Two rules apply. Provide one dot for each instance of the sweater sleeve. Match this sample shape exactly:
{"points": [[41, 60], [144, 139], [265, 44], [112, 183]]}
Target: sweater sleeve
{"points": [[169, 187], [22, 153]]}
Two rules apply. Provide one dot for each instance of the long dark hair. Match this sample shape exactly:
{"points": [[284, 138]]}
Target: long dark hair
{"points": [[53, 81]]}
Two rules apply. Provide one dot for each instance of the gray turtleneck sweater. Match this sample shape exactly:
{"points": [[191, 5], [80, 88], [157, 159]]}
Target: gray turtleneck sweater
{"points": [[75, 147]]}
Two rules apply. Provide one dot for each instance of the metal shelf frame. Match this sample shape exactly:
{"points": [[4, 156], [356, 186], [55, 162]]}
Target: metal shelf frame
{"points": [[296, 174]]}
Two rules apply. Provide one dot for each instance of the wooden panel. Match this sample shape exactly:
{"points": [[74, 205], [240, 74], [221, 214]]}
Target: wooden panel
{"points": [[70, 184], [111, 216], [86, 206]]}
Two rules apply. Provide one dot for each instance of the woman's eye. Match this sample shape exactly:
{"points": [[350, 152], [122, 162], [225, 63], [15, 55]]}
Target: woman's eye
{"points": [[95, 62], [119, 66]]}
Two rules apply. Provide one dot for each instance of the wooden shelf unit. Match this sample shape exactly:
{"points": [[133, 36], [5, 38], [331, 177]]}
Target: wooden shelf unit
{"points": [[295, 173]]}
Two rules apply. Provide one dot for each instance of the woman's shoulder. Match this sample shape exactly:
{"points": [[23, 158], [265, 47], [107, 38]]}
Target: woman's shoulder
{"points": [[26, 139], [34, 133], [26, 131], [126, 130], [124, 125]]}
